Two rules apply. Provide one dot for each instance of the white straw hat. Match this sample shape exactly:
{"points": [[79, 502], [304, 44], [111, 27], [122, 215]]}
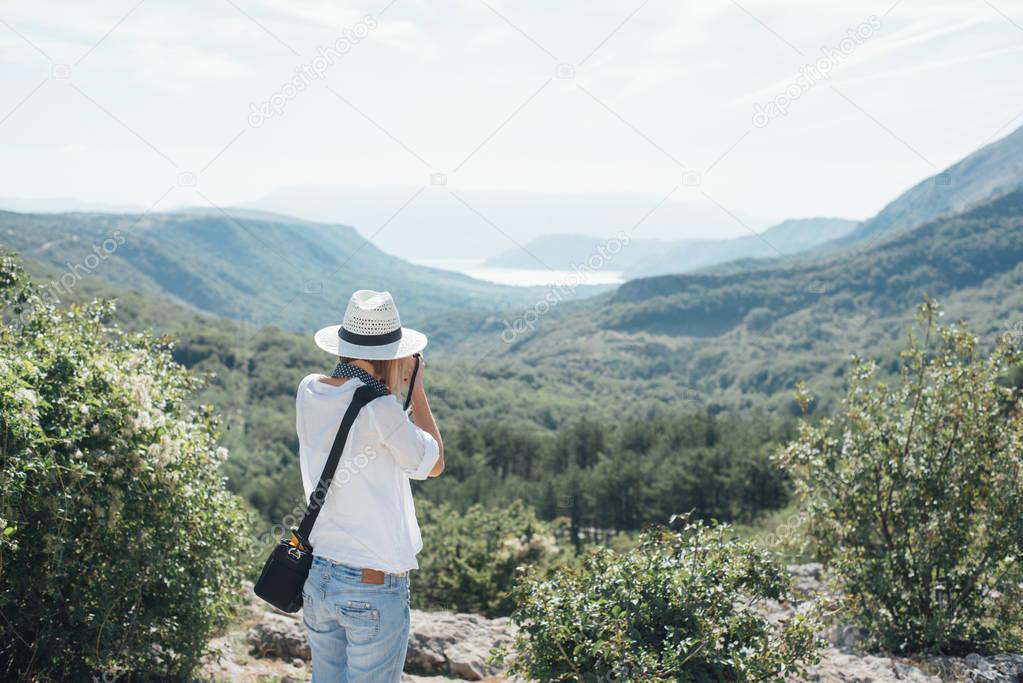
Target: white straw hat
{"points": [[371, 330]]}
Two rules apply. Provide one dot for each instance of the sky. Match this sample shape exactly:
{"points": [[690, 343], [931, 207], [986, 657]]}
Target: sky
{"points": [[769, 109]]}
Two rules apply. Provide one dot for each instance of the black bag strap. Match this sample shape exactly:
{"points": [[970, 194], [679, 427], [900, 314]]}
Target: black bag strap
{"points": [[363, 395]]}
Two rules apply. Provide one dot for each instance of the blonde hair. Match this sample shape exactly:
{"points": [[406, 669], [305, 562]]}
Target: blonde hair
{"points": [[391, 372]]}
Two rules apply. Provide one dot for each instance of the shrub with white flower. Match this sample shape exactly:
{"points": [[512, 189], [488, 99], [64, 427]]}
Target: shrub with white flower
{"points": [[117, 536]]}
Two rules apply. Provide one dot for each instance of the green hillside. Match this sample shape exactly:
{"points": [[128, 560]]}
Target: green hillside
{"points": [[135, 311], [743, 338], [255, 267]]}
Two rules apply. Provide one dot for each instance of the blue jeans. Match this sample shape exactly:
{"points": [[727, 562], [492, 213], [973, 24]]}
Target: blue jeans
{"points": [[358, 632]]}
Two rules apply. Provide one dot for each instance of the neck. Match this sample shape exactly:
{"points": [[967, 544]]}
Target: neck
{"points": [[338, 381], [365, 365]]}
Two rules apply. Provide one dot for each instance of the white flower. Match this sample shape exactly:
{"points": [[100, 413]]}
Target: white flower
{"points": [[164, 452], [140, 391], [221, 454], [142, 421]]}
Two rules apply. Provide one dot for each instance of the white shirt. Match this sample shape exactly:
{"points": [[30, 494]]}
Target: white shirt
{"points": [[368, 518]]}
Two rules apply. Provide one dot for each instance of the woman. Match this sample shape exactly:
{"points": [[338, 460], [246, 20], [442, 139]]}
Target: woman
{"points": [[356, 599]]}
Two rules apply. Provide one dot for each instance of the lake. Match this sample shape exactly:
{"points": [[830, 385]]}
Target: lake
{"points": [[523, 277]]}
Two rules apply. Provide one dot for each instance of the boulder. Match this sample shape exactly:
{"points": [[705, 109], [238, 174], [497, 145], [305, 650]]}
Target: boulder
{"points": [[281, 636], [455, 644], [975, 668], [806, 578], [848, 667]]}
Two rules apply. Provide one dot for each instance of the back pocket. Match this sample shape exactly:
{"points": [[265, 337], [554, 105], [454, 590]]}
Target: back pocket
{"points": [[360, 620], [313, 615]]}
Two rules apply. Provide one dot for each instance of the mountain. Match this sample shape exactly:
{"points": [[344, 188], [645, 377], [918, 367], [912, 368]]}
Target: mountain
{"points": [[151, 311], [992, 170], [644, 258], [260, 268], [744, 338], [445, 224]]}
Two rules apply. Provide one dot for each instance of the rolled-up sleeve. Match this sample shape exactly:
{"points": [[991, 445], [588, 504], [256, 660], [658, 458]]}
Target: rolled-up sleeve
{"points": [[414, 450]]}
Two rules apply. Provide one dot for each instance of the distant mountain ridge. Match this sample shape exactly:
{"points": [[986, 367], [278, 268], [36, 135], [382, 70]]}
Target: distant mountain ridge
{"points": [[442, 223], [63, 205], [645, 258]]}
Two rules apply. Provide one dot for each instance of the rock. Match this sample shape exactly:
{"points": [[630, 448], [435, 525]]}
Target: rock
{"points": [[844, 666], [455, 644], [440, 643], [446, 647], [847, 667], [806, 578], [845, 637], [973, 667], [281, 636], [222, 664]]}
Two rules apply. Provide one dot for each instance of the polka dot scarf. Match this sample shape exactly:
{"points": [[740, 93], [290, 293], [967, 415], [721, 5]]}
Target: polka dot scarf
{"points": [[354, 371]]}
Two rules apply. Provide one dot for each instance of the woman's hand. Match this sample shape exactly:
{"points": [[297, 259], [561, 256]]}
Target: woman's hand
{"points": [[419, 375], [423, 416]]}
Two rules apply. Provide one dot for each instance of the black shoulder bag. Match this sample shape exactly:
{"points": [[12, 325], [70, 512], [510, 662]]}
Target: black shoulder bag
{"points": [[286, 570]]}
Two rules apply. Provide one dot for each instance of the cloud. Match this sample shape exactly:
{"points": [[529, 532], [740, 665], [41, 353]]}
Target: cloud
{"points": [[931, 65], [909, 44], [442, 76]]}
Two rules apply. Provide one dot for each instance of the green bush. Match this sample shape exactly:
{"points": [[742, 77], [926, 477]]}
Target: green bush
{"points": [[118, 538], [683, 606], [470, 559], [914, 492]]}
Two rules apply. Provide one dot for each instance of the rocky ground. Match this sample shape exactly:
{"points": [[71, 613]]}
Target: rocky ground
{"points": [[269, 646]]}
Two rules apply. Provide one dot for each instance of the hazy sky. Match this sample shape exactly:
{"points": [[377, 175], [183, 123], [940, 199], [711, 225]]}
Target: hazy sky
{"points": [[134, 102]]}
